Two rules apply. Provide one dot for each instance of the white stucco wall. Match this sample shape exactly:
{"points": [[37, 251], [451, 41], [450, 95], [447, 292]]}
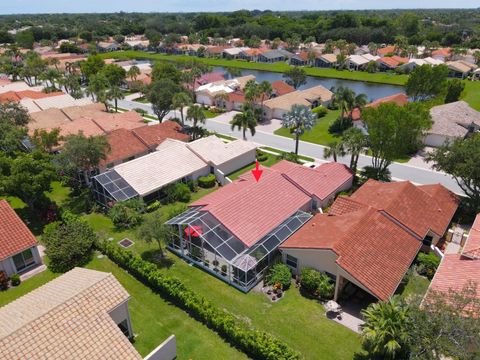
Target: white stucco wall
{"points": [[204, 99], [121, 313], [8, 266], [238, 162], [165, 351], [435, 140], [322, 260]]}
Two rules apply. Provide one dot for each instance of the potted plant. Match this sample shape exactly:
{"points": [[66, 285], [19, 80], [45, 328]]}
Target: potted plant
{"points": [[215, 265], [15, 280], [207, 263], [224, 270]]}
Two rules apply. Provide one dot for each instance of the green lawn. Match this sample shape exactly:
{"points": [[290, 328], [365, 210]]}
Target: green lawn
{"points": [[210, 114], [319, 134], [59, 193], [154, 319], [26, 286], [301, 157], [271, 160], [142, 100], [416, 285]]}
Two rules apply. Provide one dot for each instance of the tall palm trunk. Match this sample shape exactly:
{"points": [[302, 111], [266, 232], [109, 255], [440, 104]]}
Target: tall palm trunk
{"points": [[297, 140]]}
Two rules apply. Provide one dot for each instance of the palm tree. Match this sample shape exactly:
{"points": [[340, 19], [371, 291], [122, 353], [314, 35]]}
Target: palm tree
{"points": [[372, 47], [220, 99], [231, 72], [180, 101], [252, 91], [353, 142], [299, 119], [386, 330], [196, 115], [245, 121], [334, 150], [133, 72], [343, 97], [266, 90], [115, 94]]}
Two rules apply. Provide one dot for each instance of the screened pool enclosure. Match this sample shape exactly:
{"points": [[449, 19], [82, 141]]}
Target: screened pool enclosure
{"points": [[205, 241]]}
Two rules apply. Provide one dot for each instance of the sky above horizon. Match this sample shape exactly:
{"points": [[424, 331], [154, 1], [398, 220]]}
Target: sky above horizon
{"points": [[86, 6]]}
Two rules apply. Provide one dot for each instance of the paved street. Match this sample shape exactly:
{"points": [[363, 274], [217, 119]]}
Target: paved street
{"points": [[399, 171]]}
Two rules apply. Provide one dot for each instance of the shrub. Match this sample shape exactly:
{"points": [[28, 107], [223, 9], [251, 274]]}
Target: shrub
{"points": [[177, 192], [3, 281], [262, 156], [140, 111], [291, 156], [279, 274], [127, 214], [191, 185], [320, 111], [68, 243], [224, 270], [340, 125], [427, 264], [255, 343], [207, 182], [153, 206], [315, 283], [15, 280]]}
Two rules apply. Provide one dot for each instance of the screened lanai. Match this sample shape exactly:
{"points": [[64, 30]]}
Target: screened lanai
{"points": [[205, 241]]}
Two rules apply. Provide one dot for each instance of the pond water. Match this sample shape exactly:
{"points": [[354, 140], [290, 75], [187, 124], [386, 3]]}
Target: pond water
{"points": [[372, 90]]}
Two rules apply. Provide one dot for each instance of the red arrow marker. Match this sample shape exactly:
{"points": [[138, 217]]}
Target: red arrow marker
{"points": [[257, 173]]}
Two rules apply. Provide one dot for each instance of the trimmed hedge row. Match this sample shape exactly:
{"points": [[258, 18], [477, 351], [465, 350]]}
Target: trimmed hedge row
{"points": [[255, 343]]}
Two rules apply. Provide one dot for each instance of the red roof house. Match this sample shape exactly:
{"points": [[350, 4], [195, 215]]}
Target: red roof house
{"points": [[459, 271], [280, 88], [371, 238], [386, 50], [154, 135], [124, 146], [244, 221], [18, 246]]}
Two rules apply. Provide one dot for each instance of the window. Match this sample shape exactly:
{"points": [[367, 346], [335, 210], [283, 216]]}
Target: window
{"points": [[428, 240], [124, 327], [291, 261], [23, 260]]}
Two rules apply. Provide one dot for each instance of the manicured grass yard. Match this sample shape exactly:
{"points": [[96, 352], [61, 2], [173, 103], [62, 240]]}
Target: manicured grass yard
{"points": [[210, 114], [142, 99], [154, 319], [271, 160], [416, 285], [319, 134]]}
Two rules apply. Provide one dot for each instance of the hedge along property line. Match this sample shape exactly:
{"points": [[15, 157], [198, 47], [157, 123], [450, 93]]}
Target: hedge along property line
{"points": [[254, 343]]}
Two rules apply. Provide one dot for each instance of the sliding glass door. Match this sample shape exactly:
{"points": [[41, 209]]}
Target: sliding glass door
{"points": [[23, 260]]}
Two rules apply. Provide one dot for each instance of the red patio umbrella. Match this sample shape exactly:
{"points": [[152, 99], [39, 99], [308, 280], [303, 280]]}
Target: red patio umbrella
{"points": [[194, 231]]}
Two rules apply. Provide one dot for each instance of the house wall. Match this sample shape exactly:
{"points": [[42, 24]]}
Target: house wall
{"points": [[344, 274], [204, 99], [238, 162], [8, 266], [104, 168], [435, 140], [329, 199], [121, 313], [322, 260], [165, 351]]}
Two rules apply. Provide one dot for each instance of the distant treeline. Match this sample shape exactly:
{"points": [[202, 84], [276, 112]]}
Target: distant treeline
{"points": [[453, 27]]}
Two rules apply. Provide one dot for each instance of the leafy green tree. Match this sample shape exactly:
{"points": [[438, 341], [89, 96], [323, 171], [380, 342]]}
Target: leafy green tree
{"points": [[455, 89], [299, 119], [68, 243], [395, 131], [114, 74], [426, 82], [244, 121], [28, 176], [14, 114], [179, 101], [461, 159], [25, 39], [385, 333], [153, 229], [127, 214], [279, 274], [98, 89], [196, 115], [92, 66], [46, 140], [160, 94], [166, 70], [71, 84], [33, 67], [295, 77], [83, 154]]}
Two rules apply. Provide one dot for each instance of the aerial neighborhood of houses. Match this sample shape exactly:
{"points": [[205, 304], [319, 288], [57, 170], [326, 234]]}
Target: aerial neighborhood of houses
{"points": [[161, 199]]}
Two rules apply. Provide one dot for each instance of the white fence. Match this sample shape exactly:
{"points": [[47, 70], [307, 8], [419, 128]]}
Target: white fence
{"points": [[165, 351]]}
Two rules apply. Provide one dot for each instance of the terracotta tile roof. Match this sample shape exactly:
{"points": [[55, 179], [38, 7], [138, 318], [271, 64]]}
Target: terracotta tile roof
{"points": [[372, 248], [14, 234], [123, 145], [471, 249], [389, 62], [441, 52], [128, 120], [415, 208], [281, 87], [453, 274], [321, 182], [344, 205], [250, 210], [85, 125], [400, 99], [400, 60], [237, 96], [386, 50], [26, 94], [67, 318], [154, 135]]}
